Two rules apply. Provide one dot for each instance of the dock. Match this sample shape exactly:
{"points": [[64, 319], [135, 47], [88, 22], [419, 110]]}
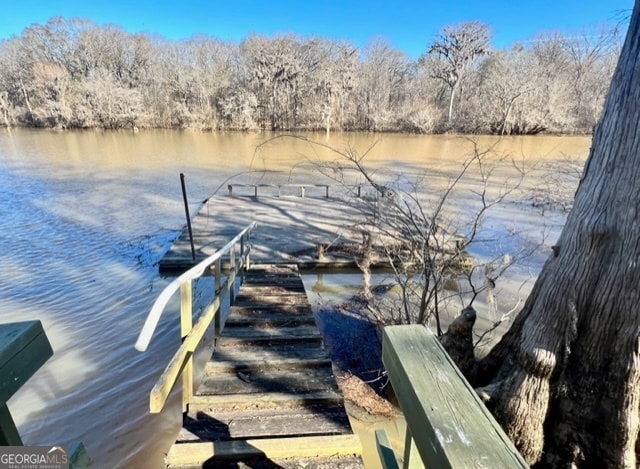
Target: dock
{"points": [[268, 397], [291, 226]]}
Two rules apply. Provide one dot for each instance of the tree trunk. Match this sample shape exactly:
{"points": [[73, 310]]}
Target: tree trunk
{"points": [[565, 379], [451, 98]]}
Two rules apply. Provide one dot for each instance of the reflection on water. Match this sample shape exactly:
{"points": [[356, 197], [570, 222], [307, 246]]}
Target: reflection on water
{"points": [[87, 215]]}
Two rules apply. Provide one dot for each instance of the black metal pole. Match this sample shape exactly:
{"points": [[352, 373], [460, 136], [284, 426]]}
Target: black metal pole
{"points": [[186, 209]]}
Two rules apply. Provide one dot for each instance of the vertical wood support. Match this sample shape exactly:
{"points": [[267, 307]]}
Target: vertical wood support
{"points": [[301, 191], [186, 323], [412, 459], [218, 283], [327, 191], [248, 256], [9, 435], [242, 260], [385, 451], [232, 267]]}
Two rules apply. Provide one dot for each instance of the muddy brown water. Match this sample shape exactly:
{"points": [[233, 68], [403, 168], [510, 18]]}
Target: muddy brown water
{"points": [[87, 215]]}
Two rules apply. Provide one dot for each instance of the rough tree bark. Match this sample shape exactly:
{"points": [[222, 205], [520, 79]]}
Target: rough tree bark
{"points": [[565, 380]]}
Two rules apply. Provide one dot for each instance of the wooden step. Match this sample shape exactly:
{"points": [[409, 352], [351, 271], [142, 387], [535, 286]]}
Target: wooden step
{"points": [[259, 309], [257, 358], [273, 400], [273, 289], [270, 319], [282, 381], [268, 336], [203, 425], [269, 301], [196, 454]]}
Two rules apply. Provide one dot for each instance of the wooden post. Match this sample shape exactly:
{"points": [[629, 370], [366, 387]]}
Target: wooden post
{"points": [[301, 191], [218, 283], [242, 260], [186, 323], [232, 267], [327, 191], [24, 348], [412, 459], [385, 451], [186, 209], [248, 257], [9, 435]]}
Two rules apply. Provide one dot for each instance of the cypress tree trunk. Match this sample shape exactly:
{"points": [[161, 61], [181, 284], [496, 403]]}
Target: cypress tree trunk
{"points": [[565, 379]]}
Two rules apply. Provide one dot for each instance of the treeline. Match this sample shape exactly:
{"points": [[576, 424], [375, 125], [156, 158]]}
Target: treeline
{"points": [[76, 74]]}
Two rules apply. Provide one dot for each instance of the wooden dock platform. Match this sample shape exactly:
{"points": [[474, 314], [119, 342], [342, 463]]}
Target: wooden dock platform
{"points": [[268, 398], [289, 227]]}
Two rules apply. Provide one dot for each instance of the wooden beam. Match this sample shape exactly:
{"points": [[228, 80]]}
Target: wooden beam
{"points": [[449, 423], [24, 348], [272, 448], [385, 451]]}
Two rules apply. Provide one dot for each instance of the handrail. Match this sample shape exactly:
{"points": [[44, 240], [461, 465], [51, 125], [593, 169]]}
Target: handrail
{"points": [[181, 363], [447, 423], [150, 324]]}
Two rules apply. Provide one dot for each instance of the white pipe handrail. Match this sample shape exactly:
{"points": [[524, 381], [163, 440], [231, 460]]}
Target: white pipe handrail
{"points": [[194, 272]]}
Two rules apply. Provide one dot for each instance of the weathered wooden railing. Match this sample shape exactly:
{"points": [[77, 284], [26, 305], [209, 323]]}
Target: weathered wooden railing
{"points": [[24, 348], [301, 188], [182, 361], [448, 426]]}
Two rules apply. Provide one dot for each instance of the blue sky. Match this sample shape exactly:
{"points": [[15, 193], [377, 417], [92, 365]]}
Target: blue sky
{"points": [[408, 26]]}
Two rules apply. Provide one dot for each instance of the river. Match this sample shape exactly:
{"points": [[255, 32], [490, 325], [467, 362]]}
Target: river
{"points": [[86, 216]]}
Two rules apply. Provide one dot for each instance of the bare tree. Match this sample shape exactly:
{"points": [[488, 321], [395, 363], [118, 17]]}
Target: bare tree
{"points": [[456, 48]]}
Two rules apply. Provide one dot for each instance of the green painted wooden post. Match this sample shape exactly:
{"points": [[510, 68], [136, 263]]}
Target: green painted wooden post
{"points": [[385, 451], [449, 423], [24, 348]]}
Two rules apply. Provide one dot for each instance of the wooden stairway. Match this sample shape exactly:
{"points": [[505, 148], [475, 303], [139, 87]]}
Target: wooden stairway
{"points": [[268, 397]]}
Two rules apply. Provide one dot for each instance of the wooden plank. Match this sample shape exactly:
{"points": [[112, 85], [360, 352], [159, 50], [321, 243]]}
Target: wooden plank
{"points": [[268, 341], [253, 332], [254, 423], [297, 381], [270, 300], [254, 309], [277, 357], [24, 348], [9, 435], [270, 319], [271, 448], [271, 400], [450, 425], [274, 289], [258, 354], [385, 451]]}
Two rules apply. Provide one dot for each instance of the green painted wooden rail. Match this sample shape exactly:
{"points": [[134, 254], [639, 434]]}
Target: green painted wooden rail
{"points": [[24, 348], [448, 426]]}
